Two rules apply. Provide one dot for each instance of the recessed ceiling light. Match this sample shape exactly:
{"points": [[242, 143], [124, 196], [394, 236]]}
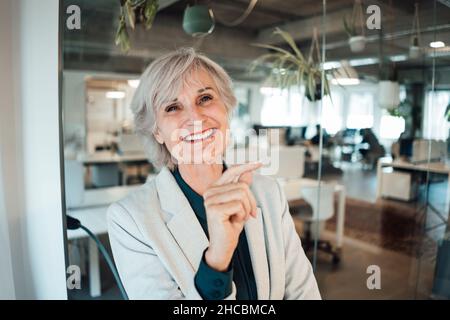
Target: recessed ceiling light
{"points": [[115, 94], [437, 44]]}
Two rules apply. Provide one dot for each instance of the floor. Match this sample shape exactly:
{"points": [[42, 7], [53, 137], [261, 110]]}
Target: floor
{"points": [[402, 276]]}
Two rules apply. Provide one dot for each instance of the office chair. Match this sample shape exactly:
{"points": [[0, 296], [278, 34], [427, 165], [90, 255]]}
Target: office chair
{"points": [[314, 217]]}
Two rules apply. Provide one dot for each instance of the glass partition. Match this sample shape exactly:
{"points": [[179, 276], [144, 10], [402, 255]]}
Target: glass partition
{"points": [[358, 143]]}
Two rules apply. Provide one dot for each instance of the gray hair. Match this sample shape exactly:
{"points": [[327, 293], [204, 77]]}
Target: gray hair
{"points": [[161, 82]]}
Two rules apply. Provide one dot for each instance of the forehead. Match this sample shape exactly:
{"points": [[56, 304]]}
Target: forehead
{"points": [[196, 80], [187, 84]]}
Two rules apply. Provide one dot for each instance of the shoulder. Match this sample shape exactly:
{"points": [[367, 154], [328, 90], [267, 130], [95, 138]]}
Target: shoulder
{"points": [[135, 205], [267, 190]]}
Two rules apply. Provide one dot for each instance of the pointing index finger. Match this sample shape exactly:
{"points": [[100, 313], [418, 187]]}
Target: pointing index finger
{"points": [[232, 174]]}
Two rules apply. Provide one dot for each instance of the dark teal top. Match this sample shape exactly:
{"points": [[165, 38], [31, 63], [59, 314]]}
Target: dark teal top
{"points": [[212, 284]]}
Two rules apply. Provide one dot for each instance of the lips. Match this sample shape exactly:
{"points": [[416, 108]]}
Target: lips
{"points": [[200, 136]]}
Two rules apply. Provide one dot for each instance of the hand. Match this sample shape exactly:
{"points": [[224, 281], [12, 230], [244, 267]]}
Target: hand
{"points": [[229, 203]]}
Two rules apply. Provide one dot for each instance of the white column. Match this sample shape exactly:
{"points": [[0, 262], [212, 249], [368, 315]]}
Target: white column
{"points": [[30, 140], [7, 290]]}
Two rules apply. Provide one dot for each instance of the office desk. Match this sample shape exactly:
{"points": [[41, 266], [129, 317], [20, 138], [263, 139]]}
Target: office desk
{"points": [[107, 157], [92, 214], [104, 157], [292, 190], [432, 167]]}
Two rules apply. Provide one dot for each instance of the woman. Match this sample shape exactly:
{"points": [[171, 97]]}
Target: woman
{"points": [[200, 230]]}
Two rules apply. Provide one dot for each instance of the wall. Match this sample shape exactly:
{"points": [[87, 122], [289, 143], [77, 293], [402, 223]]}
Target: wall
{"points": [[11, 266], [30, 148], [7, 290]]}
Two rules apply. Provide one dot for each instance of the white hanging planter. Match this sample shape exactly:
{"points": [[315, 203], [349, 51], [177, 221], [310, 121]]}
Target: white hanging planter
{"points": [[388, 94], [357, 43], [415, 52]]}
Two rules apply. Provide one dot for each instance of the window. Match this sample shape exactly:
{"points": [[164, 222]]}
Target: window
{"points": [[332, 119], [281, 107], [360, 110], [435, 124], [240, 121], [291, 108]]}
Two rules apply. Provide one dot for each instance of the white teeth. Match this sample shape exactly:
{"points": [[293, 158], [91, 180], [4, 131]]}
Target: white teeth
{"points": [[200, 136]]}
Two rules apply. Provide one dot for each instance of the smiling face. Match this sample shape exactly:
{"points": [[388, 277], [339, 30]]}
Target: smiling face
{"points": [[194, 126]]}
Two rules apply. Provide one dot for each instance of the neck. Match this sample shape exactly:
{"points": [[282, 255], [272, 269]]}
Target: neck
{"points": [[200, 176]]}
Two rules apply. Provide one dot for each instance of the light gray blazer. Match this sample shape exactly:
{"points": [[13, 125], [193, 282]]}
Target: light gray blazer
{"points": [[157, 243]]}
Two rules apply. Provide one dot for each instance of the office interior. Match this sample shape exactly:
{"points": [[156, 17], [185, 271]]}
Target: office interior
{"points": [[363, 152]]}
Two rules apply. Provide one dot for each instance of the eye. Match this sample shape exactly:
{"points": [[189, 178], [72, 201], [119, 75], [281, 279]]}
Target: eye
{"points": [[205, 98], [171, 108]]}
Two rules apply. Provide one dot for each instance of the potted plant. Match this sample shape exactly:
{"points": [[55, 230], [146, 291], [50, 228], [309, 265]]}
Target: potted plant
{"points": [[415, 50], [290, 67], [136, 12], [388, 87], [357, 40], [198, 20]]}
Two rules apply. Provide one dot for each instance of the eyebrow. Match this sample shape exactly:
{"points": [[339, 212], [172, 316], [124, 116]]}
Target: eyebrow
{"points": [[199, 91], [204, 89]]}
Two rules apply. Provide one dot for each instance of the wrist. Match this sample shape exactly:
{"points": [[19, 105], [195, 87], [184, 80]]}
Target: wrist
{"points": [[219, 263]]}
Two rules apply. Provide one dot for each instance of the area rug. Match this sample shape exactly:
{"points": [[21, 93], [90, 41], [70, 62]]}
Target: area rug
{"points": [[387, 224]]}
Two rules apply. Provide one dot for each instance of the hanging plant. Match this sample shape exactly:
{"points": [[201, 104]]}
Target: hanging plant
{"points": [[388, 86], [357, 40], [415, 51], [290, 68], [135, 12], [403, 110]]}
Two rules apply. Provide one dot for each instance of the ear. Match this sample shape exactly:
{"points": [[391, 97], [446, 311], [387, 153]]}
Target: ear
{"points": [[158, 136]]}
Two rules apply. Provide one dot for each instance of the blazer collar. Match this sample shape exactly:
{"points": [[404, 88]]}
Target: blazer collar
{"points": [[183, 224], [188, 233], [254, 230]]}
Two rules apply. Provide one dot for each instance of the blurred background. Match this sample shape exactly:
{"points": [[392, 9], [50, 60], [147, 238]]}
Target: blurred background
{"points": [[362, 115]]}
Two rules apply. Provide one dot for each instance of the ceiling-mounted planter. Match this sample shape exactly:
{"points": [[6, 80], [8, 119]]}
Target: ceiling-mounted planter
{"points": [[415, 51], [357, 43], [292, 68], [198, 20], [388, 94], [356, 38]]}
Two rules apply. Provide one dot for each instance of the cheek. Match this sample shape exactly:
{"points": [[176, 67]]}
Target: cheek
{"points": [[167, 129], [220, 115]]}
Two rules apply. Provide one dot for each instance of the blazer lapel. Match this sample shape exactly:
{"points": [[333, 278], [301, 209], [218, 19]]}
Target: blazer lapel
{"points": [[189, 235], [183, 225], [254, 230]]}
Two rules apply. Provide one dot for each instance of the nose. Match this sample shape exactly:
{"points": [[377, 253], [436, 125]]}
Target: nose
{"points": [[196, 114]]}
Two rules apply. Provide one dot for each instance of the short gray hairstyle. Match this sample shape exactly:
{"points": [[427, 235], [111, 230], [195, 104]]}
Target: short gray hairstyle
{"points": [[161, 82]]}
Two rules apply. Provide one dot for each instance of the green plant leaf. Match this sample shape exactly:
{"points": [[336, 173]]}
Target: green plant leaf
{"points": [[130, 14], [278, 49], [349, 27], [150, 10], [311, 87], [288, 38], [122, 37]]}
